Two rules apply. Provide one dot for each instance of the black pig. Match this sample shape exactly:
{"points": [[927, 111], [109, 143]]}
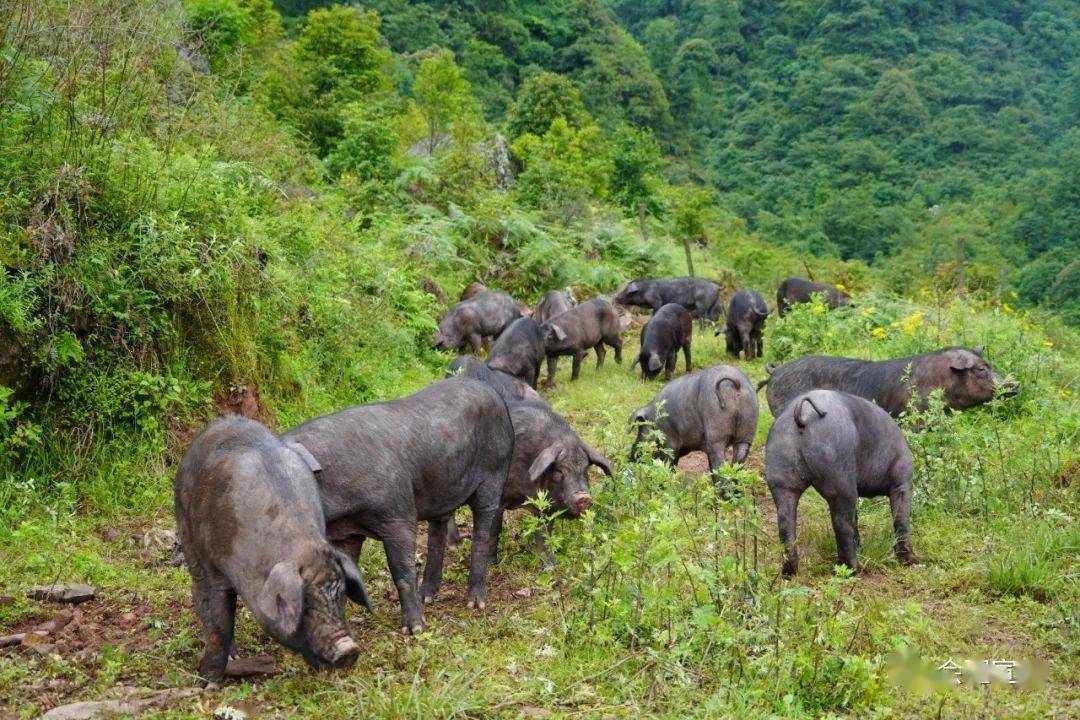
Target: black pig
{"points": [[510, 389], [666, 332], [845, 448], [589, 325], [745, 324], [484, 315], [964, 375], [712, 410], [519, 351], [553, 304], [387, 465], [249, 519], [701, 297], [797, 290]]}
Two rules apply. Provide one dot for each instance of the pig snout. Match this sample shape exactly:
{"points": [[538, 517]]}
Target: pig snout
{"points": [[579, 503], [345, 653]]}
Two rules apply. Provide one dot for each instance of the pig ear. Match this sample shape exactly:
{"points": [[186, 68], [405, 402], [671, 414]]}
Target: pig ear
{"points": [[354, 584], [305, 455], [961, 361], [558, 332], [543, 461], [979, 350], [654, 363], [282, 598], [632, 286], [598, 460]]}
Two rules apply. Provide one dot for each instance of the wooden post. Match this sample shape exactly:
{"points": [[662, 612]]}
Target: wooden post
{"points": [[689, 257], [961, 280], [809, 272]]}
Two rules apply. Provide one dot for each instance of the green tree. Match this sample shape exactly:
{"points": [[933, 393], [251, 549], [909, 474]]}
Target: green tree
{"points": [[442, 93], [635, 159], [690, 210], [543, 98]]}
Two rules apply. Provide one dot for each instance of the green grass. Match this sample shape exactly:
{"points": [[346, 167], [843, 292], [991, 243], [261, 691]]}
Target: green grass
{"points": [[660, 605]]}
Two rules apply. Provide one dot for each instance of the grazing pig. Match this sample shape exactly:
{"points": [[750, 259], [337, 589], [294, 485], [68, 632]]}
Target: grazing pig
{"points": [[745, 324], [250, 522], [387, 465], [700, 297], [712, 410], [797, 290], [549, 456], [668, 330], [483, 315], [553, 304], [589, 325], [510, 389], [964, 376], [845, 448], [519, 351]]}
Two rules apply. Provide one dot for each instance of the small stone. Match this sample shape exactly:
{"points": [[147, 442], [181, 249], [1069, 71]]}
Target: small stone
{"points": [[250, 666], [129, 618], [74, 593], [6, 600]]}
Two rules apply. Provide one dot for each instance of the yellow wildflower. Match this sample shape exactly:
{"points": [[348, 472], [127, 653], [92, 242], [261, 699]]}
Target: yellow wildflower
{"points": [[878, 332], [867, 311], [1047, 344]]}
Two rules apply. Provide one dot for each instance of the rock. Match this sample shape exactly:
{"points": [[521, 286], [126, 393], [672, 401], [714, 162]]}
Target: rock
{"points": [[98, 709], [42, 648], [251, 666], [61, 621], [6, 601], [74, 593]]}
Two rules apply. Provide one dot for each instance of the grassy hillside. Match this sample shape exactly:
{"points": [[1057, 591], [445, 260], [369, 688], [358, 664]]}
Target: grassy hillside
{"points": [[201, 210]]}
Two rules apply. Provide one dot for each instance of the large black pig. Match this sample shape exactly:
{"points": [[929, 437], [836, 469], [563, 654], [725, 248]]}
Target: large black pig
{"points": [[712, 410], [701, 297], [845, 448], [519, 351], [964, 376], [797, 290], [589, 325], [666, 332], [387, 465], [483, 315], [249, 519], [746, 324]]}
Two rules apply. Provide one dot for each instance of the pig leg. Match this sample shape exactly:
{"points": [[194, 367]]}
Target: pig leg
{"points": [[739, 452], [601, 351], [669, 364], [616, 345], [433, 563], [215, 606], [475, 342], [553, 366], [842, 508], [900, 503], [787, 510], [686, 354], [453, 534], [486, 524], [543, 534], [399, 543], [576, 369]]}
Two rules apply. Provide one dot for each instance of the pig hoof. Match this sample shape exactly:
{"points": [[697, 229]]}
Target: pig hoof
{"points": [[428, 599], [212, 687], [405, 630], [477, 604], [417, 629]]}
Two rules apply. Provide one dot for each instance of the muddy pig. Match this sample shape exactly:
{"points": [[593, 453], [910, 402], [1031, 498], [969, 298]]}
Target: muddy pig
{"points": [[510, 389], [589, 325], [712, 410], [700, 297], [249, 519], [845, 448], [666, 332], [797, 290], [484, 315], [473, 288], [519, 351], [745, 324], [964, 375], [553, 304], [387, 465]]}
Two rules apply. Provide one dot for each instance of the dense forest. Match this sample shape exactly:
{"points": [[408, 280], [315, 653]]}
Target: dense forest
{"points": [[265, 206]]}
